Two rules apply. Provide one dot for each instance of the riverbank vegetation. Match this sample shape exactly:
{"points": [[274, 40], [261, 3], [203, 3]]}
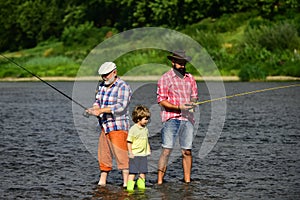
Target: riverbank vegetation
{"points": [[250, 39]]}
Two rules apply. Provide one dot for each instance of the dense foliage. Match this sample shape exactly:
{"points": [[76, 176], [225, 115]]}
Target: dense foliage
{"points": [[253, 38], [25, 23]]}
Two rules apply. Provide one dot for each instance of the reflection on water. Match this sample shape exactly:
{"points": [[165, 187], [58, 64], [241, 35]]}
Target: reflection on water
{"points": [[256, 156]]}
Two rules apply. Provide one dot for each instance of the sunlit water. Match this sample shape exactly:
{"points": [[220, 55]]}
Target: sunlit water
{"points": [[256, 157]]}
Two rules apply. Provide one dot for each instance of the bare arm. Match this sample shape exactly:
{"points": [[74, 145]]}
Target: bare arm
{"points": [[129, 147], [166, 104]]}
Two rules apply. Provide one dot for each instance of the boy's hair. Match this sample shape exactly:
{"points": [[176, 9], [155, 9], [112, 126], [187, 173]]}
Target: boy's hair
{"points": [[139, 113]]}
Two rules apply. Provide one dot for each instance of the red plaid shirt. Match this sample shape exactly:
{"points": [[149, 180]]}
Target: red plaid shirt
{"points": [[177, 91]]}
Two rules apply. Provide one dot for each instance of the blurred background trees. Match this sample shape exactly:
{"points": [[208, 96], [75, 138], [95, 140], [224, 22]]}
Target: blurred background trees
{"points": [[264, 34]]}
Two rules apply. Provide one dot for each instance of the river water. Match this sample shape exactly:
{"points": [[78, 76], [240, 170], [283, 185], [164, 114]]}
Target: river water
{"points": [[45, 155]]}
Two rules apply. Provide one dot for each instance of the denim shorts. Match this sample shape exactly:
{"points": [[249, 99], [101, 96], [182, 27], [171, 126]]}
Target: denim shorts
{"points": [[173, 129]]}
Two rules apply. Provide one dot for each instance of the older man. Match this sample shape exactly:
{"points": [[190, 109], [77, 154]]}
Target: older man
{"points": [[111, 108]]}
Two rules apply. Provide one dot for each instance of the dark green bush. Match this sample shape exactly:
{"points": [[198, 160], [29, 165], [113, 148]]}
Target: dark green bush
{"points": [[205, 24], [85, 35], [278, 37], [8, 73], [208, 40], [256, 23], [296, 23], [253, 54], [226, 23], [290, 63], [230, 22], [251, 72], [291, 68], [244, 74], [226, 63], [72, 35]]}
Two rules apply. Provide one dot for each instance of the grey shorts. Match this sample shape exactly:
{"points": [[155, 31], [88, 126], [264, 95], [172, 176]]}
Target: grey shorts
{"points": [[138, 165]]}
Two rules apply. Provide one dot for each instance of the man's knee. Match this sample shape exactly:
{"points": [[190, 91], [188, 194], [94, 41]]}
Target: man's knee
{"points": [[166, 152], [186, 152]]}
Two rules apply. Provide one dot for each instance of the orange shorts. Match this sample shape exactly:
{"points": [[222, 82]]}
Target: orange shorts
{"points": [[113, 144]]}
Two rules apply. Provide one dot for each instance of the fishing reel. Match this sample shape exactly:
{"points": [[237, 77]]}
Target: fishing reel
{"points": [[86, 114]]}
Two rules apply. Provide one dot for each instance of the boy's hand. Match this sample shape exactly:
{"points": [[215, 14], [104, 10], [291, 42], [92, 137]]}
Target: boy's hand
{"points": [[130, 155]]}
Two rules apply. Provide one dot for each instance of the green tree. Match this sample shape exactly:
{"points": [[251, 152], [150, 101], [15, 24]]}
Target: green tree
{"points": [[39, 20], [26, 23], [10, 32]]}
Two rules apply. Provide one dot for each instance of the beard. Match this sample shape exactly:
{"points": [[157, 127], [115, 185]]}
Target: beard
{"points": [[109, 81], [180, 72]]}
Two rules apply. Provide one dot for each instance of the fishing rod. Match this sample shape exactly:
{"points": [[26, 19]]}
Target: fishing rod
{"points": [[76, 102], [243, 93]]}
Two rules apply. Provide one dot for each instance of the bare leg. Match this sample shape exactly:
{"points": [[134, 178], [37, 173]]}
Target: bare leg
{"points": [[103, 177], [142, 176], [131, 177], [187, 164], [125, 173], [162, 164]]}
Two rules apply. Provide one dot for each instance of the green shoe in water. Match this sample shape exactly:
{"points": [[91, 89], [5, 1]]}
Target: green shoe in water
{"points": [[130, 185], [141, 183]]}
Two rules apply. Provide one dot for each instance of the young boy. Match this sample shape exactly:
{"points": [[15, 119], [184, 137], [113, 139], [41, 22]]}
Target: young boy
{"points": [[138, 147]]}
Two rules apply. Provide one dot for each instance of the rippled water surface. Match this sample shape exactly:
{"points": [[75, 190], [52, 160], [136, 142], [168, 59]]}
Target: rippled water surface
{"points": [[257, 155]]}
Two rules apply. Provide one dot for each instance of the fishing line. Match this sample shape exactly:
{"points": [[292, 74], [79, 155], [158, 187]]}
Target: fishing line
{"points": [[12, 61], [244, 93]]}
